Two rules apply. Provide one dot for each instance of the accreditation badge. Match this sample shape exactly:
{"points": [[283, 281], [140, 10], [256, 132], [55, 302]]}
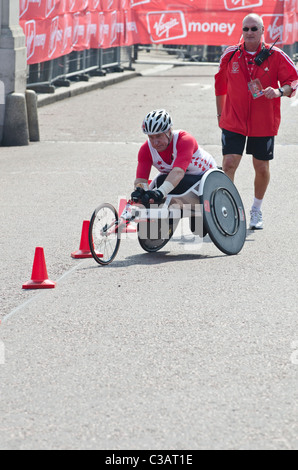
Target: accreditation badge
{"points": [[256, 89]]}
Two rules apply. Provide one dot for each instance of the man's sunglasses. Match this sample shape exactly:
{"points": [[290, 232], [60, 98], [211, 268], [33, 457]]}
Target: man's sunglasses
{"points": [[254, 28]]}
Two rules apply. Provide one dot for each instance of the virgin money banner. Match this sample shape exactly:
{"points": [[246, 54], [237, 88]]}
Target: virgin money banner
{"points": [[212, 22], [213, 5], [41, 9], [57, 27]]}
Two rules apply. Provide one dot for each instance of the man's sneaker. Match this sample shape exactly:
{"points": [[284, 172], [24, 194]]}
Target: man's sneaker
{"points": [[256, 220]]}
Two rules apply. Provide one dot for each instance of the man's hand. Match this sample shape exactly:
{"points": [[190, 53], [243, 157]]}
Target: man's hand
{"points": [[150, 197], [137, 194], [271, 93]]}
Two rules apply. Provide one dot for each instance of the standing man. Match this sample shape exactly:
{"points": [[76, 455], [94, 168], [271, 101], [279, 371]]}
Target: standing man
{"points": [[252, 78]]}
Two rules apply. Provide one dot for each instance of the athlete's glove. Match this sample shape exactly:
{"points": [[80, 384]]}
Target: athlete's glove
{"points": [[137, 194], [157, 196]]}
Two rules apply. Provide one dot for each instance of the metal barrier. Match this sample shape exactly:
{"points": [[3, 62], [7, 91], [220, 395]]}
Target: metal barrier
{"points": [[292, 51], [206, 53], [78, 66], [188, 53]]}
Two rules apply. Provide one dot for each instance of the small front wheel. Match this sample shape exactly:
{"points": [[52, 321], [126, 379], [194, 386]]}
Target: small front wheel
{"points": [[104, 239]]}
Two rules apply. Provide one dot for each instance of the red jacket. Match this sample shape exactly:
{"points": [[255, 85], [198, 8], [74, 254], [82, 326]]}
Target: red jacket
{"points": [[242, 113]]}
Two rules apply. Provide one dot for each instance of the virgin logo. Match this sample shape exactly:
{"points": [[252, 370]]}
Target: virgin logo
{"points": [[125, 4], [113, 27], [76, 27], [24, 4], [95, 4], [275, 28], [53, 36], [72, 4], [67, 34], [101, 28], [139, 2], [242, 4], [90, 30], [50, 6], [107, 4], [30, 29], [165, 26]]}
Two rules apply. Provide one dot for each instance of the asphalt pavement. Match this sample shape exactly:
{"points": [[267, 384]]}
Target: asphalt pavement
{"points": [[183, 349]]}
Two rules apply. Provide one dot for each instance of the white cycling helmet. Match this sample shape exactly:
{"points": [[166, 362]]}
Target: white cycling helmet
{"points": [[157, 122]]}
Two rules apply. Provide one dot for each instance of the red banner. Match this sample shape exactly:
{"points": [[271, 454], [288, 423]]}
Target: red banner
{"points": [[57, 27]]}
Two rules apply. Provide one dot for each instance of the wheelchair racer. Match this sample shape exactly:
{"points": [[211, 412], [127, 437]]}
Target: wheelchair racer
{"points": [[177, 156]]}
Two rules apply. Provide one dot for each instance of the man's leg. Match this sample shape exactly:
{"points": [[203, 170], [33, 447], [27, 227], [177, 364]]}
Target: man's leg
{"points": [[262, 178], [230, 164], [232, 149]]}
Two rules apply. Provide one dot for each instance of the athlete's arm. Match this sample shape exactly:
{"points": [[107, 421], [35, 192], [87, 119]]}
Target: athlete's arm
{"points": [[141, 183], [175, 176], [144, 167], [186, 147]]}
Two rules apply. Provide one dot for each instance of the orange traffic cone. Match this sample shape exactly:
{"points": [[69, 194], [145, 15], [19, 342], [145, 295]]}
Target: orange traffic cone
{"points": [[129, 227], [84, 251], [39, 278]]}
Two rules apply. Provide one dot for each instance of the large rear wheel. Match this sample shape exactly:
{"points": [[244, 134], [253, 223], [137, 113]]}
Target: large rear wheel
{"points": [[224, 215]]}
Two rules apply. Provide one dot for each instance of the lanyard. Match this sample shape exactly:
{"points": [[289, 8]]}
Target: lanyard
{"points": [[254, 86], [244, 67], [250, 70]]}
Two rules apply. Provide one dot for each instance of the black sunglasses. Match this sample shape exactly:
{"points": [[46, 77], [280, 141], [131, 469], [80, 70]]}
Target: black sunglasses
{"points": [[254, 28]]}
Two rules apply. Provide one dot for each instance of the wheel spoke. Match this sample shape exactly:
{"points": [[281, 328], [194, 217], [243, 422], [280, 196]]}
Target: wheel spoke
{"points": [[103, 234]]}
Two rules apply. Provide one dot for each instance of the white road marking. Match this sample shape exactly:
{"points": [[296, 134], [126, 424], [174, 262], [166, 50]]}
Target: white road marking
{"points": [[202, 87], [84, 142], [23, 305]]}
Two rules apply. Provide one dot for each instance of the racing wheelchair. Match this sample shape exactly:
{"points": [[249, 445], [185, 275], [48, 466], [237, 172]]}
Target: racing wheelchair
{"points": [[214, 201]]}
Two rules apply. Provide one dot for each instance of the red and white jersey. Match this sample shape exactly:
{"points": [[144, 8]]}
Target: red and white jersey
{"points": [[183, 152]]}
